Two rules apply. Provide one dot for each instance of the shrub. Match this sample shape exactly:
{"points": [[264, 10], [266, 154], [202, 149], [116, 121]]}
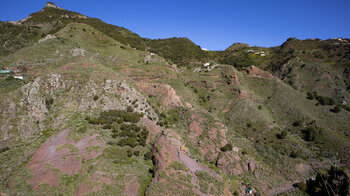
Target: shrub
{"points": [[132, 142], [293, 154], [282, 135], [298, 123], [334, 182], [325, 100], [148, 155], [336, 109], [311, 133], [345, 107], [82, 129], [129, 153], [129, 109], [310, 95], [120, 120], [4, 149], [107, 126], [49, 101], [137, 153], [131, 117], [9, 78], [227, 147], [95, 97]]}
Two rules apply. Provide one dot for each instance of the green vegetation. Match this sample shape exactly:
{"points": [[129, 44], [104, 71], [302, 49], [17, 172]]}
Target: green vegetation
{"points": [[178, 166], [209, 184], [312, 133], [333, 182], [227, 147], [321, 99], [10, 84]]}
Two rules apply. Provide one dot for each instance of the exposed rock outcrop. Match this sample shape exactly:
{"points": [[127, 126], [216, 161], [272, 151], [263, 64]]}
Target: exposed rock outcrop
{"points": [[171, 159], [47, 38], [61, 153], [166, 93], [257, 72]]}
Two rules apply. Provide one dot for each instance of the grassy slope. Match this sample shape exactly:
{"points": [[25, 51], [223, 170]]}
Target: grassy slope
{"points": [[281, 105]]}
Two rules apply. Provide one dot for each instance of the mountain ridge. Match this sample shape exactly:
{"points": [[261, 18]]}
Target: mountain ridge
{"points": [[95, 115]]}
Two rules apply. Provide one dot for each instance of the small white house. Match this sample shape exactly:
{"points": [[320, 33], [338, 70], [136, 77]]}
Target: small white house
{"points": [[18, 77], [250, 51], [206, 64], [262, 54]]}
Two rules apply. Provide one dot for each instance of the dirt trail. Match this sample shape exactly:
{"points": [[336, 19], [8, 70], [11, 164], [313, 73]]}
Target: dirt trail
{"points": [[284, 189]]}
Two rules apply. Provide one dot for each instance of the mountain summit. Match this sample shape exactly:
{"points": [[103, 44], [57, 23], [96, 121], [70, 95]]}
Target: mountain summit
{"points": [[52, 5]]}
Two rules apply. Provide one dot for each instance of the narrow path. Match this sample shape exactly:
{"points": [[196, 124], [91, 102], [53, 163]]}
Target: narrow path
{"points": [[283, 189]]}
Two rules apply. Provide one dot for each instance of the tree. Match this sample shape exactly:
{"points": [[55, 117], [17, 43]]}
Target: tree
{"points": [[334, 182], [282, 135], [336, 109]]}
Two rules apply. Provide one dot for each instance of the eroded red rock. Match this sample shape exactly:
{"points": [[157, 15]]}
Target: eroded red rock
{"points": [[168, 95], [257, 72], [61, 153]]}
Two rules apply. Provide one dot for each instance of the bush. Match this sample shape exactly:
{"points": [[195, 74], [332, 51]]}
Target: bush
{"points": [[129, 153], [107, 126], [131, 117], [282, 135], [148, 155], [95, 97], [294, 154], [334, 182], [336, 109], [345, 107], [137, 153], [325, 100], [9, 78], [310, 95], [4, 149], [49, 102], [129, 109], [311, 133], [132, 142], [227, 147], [298, 123]]}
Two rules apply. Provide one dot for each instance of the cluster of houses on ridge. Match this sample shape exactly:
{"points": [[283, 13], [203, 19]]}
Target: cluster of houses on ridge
{"points": [[16, 73], [262, 53]]}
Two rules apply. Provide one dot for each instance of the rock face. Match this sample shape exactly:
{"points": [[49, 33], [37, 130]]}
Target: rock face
{"points": [[52, 5], [172, 160], [77, 52], [61, 153], [166, 93], [153, 58], [36, 103], [47, 38], [210, 145], [257, 72], [84, 189], [230, 163]]}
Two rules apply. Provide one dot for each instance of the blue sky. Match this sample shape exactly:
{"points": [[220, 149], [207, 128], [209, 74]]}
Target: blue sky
{"points": [[212, 24]]}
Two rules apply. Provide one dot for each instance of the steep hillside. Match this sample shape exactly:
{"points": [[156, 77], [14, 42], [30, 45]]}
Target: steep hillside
{"points": [[96, 116], [18, 34]]}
